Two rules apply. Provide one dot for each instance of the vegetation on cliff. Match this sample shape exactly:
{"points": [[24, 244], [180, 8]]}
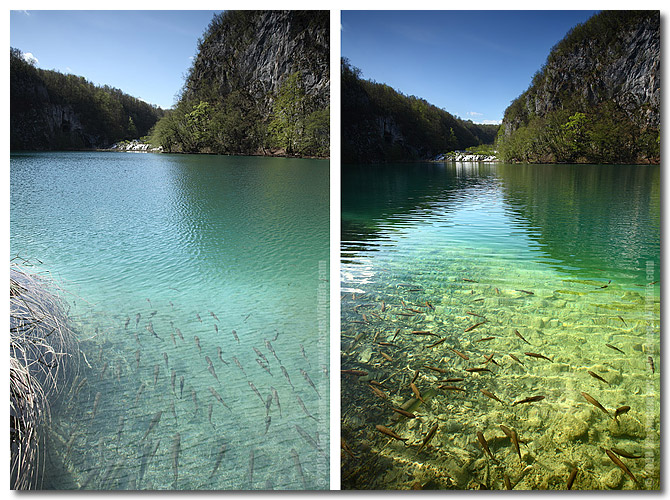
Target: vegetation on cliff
{"points": [[597, 98], [380, 124], [258, 85], [50, 110]]}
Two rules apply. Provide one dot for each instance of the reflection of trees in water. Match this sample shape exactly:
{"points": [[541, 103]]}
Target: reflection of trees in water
{"points": [[588, 215]]}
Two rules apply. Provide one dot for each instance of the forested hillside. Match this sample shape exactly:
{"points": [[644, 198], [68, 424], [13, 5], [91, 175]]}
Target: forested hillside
{"points": [[50, 110], [260, 84], [380, 124], [597, 98]]}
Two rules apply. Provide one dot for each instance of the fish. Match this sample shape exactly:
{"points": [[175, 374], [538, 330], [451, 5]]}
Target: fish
{"points": [[156, 372], [477, 370], [149, 302], [424, 332], [165, 357], [451, 380], [356, 373], [275, 394], [198, 316], [251, 469], [511, 434], [485, 445], [620, 411], [535, 355], [302, 351], [216, 328], [508, 484], [174, 454], [651, 364], [239, 365], [491, 395], [104, 369], [247, 317], [624, 321], [304, 408], [450, 388], [489, 359], [416, 374], [464, 356], [595, 403], [253, 387], [435, 344], [214, 316], [472, 327], [276, 335], [615, 348], [621, 465], [137, 319], [531, 399], [525, 291], [119, 431], [625, 454], [595, 375], [571, 478], [125, 327], [404, 413], [194, 397], [154, 421], [296, 462], [96, 402], [435, 369], [211, 370], [139, 392], [428, 438], [268, 420], [209, 412], [264, 366], [153, 313], [379, 393], [309, 381], [416, 392], [179, 333], [515, 359], [485, 339], [150, 328], [305, 435], [181, 386], [219, 458], [287, 377], [475, 314], [516, 332], [470, 281], [137, 359], [218, 397], [144, 459], [389, 432], [261, 355], [236, 337], [197, 342], [271, 349], [219, 352], [386, 356], [268, 404], [174, 411]]}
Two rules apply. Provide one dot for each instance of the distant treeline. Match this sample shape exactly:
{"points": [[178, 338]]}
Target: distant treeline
{"points": [[50, 110], [259, 85], [380, 124], [597, 98]]}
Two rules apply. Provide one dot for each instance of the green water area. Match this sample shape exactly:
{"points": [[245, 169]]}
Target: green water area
{"points": [[513, 311], [195, 286]]}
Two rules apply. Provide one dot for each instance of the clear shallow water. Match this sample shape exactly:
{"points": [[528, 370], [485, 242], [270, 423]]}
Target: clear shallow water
{"points": [[185, 247], [439, 248]]}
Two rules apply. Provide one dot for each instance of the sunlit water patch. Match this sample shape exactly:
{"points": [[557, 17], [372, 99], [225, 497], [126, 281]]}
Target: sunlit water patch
{"points": [[195, 286], [508, 296]]}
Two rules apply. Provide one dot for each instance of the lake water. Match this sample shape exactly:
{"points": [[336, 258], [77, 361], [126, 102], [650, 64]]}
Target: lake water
{"points": [[165, 259], [444, 265]]}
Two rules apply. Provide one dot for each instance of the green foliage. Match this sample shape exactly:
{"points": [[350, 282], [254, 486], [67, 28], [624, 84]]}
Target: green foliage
{"points": [[380, 124], [288, 115], [107, 115]]}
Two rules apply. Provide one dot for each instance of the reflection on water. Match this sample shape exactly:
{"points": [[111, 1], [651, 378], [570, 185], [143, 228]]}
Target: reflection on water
{"points": [[492, 301], [195, 290]]}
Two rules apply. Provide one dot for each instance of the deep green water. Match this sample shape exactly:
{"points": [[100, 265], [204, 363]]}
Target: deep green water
{"points": [[186, 246], [441, 247]]}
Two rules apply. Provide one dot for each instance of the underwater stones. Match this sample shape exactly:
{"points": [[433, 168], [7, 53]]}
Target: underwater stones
{"points": [[365, 356], [571, 429], [613, 479], [628, 427], [634, 297], [558, 368]]}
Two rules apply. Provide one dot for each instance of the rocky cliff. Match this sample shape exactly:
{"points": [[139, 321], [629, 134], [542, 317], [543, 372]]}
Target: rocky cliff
{"points": [[597, 98], [50, 110]]}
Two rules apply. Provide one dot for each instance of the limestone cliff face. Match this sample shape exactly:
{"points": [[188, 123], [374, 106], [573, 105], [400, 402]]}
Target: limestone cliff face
{"points": [[257, 50], [613, 59]]}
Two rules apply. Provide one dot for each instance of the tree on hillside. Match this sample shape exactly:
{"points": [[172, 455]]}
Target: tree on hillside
{"points": [[286, 126]]}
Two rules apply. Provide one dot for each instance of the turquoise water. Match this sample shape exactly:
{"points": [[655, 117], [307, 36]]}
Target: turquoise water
{"points": [[154, 251], [568, 256]]}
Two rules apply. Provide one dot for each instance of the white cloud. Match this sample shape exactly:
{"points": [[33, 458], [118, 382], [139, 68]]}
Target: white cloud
{"points": [[474, 113], [490, 122], [30, 58]]}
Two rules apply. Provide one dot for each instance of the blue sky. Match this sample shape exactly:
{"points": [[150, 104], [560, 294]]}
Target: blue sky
{"points": [[144, 53], [471, 63]]}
